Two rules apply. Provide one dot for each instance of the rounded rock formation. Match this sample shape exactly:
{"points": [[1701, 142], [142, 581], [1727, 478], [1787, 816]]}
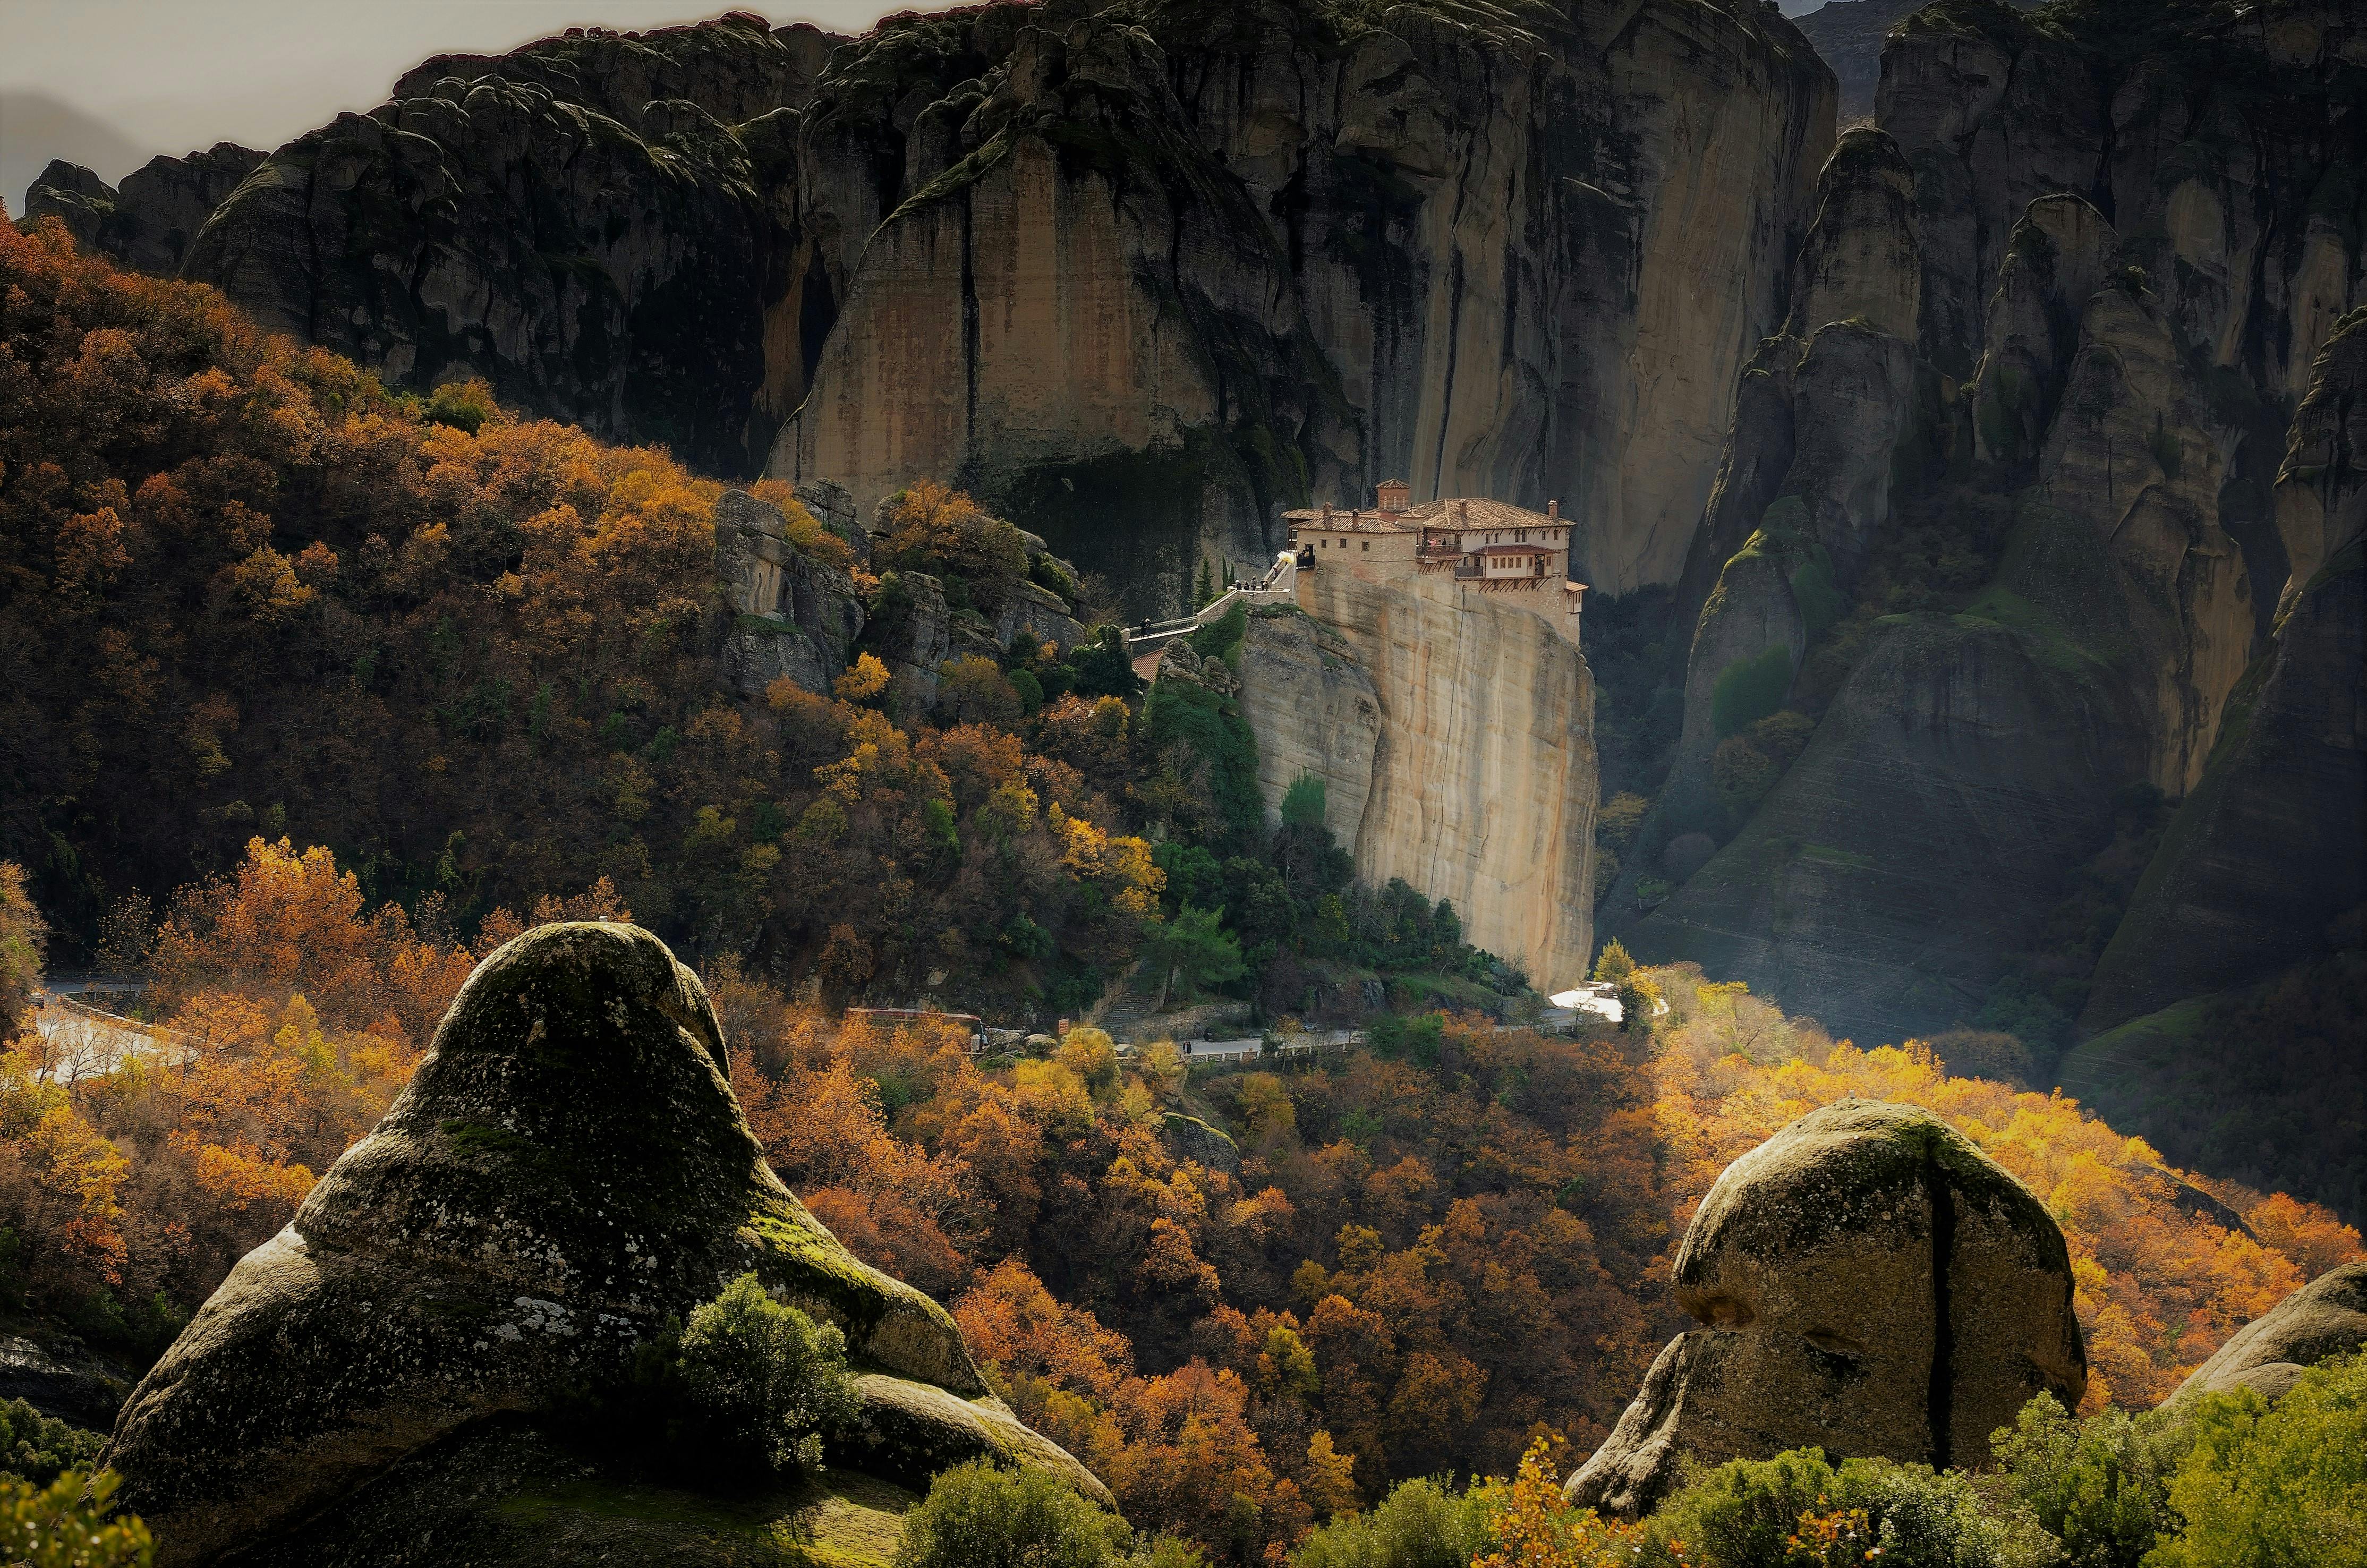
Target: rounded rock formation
{"points": [[2325, 1317], [567, 1169], [1867, 1281]]}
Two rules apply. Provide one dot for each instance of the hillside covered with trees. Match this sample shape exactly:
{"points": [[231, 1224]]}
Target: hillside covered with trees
{"points": [[1249, 1299]]}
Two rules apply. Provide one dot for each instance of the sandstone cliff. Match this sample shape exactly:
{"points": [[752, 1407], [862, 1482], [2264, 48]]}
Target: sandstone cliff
{"points": [[1143, 274], [1455, 737], [1187, 272], [598, 224]]}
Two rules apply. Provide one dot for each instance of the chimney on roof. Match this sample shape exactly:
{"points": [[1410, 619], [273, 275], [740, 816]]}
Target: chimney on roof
{"points": [[1462, 514], [1327, 514], [1553, 510]]}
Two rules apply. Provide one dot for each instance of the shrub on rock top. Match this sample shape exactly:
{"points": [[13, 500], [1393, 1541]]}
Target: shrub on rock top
{"points": [[771, 1380]]}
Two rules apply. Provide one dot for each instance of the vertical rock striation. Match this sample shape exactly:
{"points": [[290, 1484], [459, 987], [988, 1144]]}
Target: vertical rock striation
{"points": [[2271, 848], [1455, 737], [1190, 271], [1144, 274], [2121, 230]]}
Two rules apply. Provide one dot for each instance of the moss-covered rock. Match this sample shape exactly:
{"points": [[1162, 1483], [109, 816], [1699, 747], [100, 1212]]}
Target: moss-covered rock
{"points": [[513, 1492], [1867, 1281], [567, 1171]]}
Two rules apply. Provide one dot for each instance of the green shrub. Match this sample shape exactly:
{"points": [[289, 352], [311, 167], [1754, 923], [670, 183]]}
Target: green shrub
{"points": [[1753, 1513], [1219, 735], [1304, 803], [2099, 1485], [2275, 1486], [1749, 690], [1046, 573], [1221, 638], [458, 405], [978, 1516], [59, 1527], [38, 1447], [1166, 1552], [769, 1379], [1102, 668], [1421, 1524]]}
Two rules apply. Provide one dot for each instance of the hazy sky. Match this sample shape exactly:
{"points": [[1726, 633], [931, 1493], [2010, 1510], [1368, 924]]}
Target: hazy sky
{"points": [[111, 84]]}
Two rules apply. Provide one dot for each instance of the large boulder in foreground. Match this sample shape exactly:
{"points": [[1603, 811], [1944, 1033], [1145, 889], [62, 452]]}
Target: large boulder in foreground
{"points": [[1865, 1280], [567, 1169], [2325, 1318]]}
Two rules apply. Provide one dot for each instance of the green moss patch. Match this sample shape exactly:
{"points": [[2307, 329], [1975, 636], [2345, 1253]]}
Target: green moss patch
{"points": [[1749, 690]]}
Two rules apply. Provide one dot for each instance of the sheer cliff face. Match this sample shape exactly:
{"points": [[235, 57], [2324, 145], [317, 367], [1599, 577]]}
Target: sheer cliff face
{"points": [[1187, 272], [1455, 737], [1142, 274], [2271, 849], [2086, 260], [595, 224]]}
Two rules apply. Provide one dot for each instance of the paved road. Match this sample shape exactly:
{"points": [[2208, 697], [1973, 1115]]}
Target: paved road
{"points": [[79, 1042]]}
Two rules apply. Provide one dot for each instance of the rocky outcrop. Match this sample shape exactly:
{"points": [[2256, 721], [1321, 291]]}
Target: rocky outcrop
{"points": [[605, 227], [792, 614], [62, 1379], [566, 1170], [1964, 762], [1465, 729], [1866, 1281], [2235, 211], [1804, 487], [150, 223], [2271, 848], [2325, 1317], [1848, 34], [2132, 454]]}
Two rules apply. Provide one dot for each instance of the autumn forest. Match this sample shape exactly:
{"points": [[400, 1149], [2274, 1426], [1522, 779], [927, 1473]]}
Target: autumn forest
{"points": [[319, 692]]}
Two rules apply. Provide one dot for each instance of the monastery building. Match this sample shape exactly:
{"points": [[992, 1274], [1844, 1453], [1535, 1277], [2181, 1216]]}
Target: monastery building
{"points": [[1478, 546]]}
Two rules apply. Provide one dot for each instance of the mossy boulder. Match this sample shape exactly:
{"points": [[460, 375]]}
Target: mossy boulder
{"points": [[567, 1171], [1866, 1280], [2325, 1317]]}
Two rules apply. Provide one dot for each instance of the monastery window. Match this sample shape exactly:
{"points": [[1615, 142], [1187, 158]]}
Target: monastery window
{"points": [[1368, 547]]}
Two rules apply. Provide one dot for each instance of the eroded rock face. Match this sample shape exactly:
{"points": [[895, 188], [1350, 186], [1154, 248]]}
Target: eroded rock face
{"points": [[149, 223], [1123, 246], [1165, 270], [1313, 710], [2121, 256], [566, 1169], [1804, 487], [792, 614], [2325, 1317], [2270, 847], [1466, 728], [1867, 1281]]}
